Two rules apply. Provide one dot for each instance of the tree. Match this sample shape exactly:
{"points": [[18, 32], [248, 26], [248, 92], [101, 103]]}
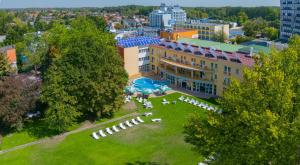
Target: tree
{"points": [[220, 36], [254, 27], [242, 18], [17, 97], [4, 67], [15, 32], [33, 47], [271, 33], [260, 119], [82, 78]]}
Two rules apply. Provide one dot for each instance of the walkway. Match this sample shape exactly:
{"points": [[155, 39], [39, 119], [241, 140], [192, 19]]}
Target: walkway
{"points": [[68, 133]]}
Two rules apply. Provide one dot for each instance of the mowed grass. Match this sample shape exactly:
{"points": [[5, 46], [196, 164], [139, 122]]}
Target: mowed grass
{"points": [[34, 131], [161, 143]]}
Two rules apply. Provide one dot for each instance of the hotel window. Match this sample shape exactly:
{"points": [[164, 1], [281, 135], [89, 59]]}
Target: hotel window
{"points": [[153, 67], [202, 63], [165, 54], [216, 66]]}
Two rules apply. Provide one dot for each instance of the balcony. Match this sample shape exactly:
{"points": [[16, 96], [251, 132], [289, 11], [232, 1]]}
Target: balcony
{"points": [[186, 74], [184, 64]]}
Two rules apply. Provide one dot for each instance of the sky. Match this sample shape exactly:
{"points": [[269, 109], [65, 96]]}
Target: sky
{"points": [[104, 3]]}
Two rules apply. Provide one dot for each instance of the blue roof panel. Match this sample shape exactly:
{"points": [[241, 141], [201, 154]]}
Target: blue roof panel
{"points": [[138, 41]]}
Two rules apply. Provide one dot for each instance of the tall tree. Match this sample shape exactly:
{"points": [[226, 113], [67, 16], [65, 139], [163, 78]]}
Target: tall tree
{"points": [[271, 33], [85, 77], [242, 18], [254, 27], [220, 36], [4, 67], [260, 119], [34, 48]]}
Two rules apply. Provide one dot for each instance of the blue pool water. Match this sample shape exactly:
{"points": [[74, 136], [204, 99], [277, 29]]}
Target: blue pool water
{"points": [[147, 83]]}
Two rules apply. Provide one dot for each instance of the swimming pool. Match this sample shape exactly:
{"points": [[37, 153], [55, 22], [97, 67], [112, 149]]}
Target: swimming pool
{"points": [[147, 83]]}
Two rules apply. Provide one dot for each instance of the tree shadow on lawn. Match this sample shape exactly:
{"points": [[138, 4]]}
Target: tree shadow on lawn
{"points": [[39, 129], [145, 163]]}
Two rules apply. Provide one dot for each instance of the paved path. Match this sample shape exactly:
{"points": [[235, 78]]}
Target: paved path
{"points": [[68, 133]]}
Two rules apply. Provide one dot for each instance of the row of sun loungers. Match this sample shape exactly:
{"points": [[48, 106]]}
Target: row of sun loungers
{"points": [[197, 103], [115, 129]]}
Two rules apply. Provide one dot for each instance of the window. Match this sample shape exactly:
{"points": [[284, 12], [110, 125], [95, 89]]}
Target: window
{"points": [[229, 70], [237, 71], [202, 63], [153, 67]]}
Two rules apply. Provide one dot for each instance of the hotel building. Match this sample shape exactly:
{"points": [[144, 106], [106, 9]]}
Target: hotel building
{"points": [[135, 54], [199, 69], [290, 18], [206, 31]]}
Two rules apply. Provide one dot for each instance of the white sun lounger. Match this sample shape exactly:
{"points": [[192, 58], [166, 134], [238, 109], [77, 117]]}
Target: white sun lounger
{"points": [[128, 124], [187, 100], [164, 103], [134, 121], [156, 120], [121, 125], [181, 98], [109, 131], [95, 136], [102, 133], [115, 129], [139, 120], [148, 114]]}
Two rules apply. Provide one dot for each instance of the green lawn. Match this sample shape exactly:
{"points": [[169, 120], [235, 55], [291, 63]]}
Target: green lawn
{"points": [[34, 131], [161, 143]]}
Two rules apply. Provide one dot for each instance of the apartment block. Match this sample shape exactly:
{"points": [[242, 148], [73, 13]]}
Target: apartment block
{"points": [[290, 18], [165, 16]]}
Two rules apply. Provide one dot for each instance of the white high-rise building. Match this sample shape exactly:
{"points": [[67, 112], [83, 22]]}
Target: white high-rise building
{"points": [[290, 18], [166, 16]]}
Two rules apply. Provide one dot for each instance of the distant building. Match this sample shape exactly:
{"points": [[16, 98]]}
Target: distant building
{"points": [[206, 31], [177, 34], [165, 16], [135, 54], [236, 31], [10, 53], [290, 18]]}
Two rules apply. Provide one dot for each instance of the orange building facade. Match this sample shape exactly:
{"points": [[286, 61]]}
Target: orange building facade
{"points": [[177, 34]]}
